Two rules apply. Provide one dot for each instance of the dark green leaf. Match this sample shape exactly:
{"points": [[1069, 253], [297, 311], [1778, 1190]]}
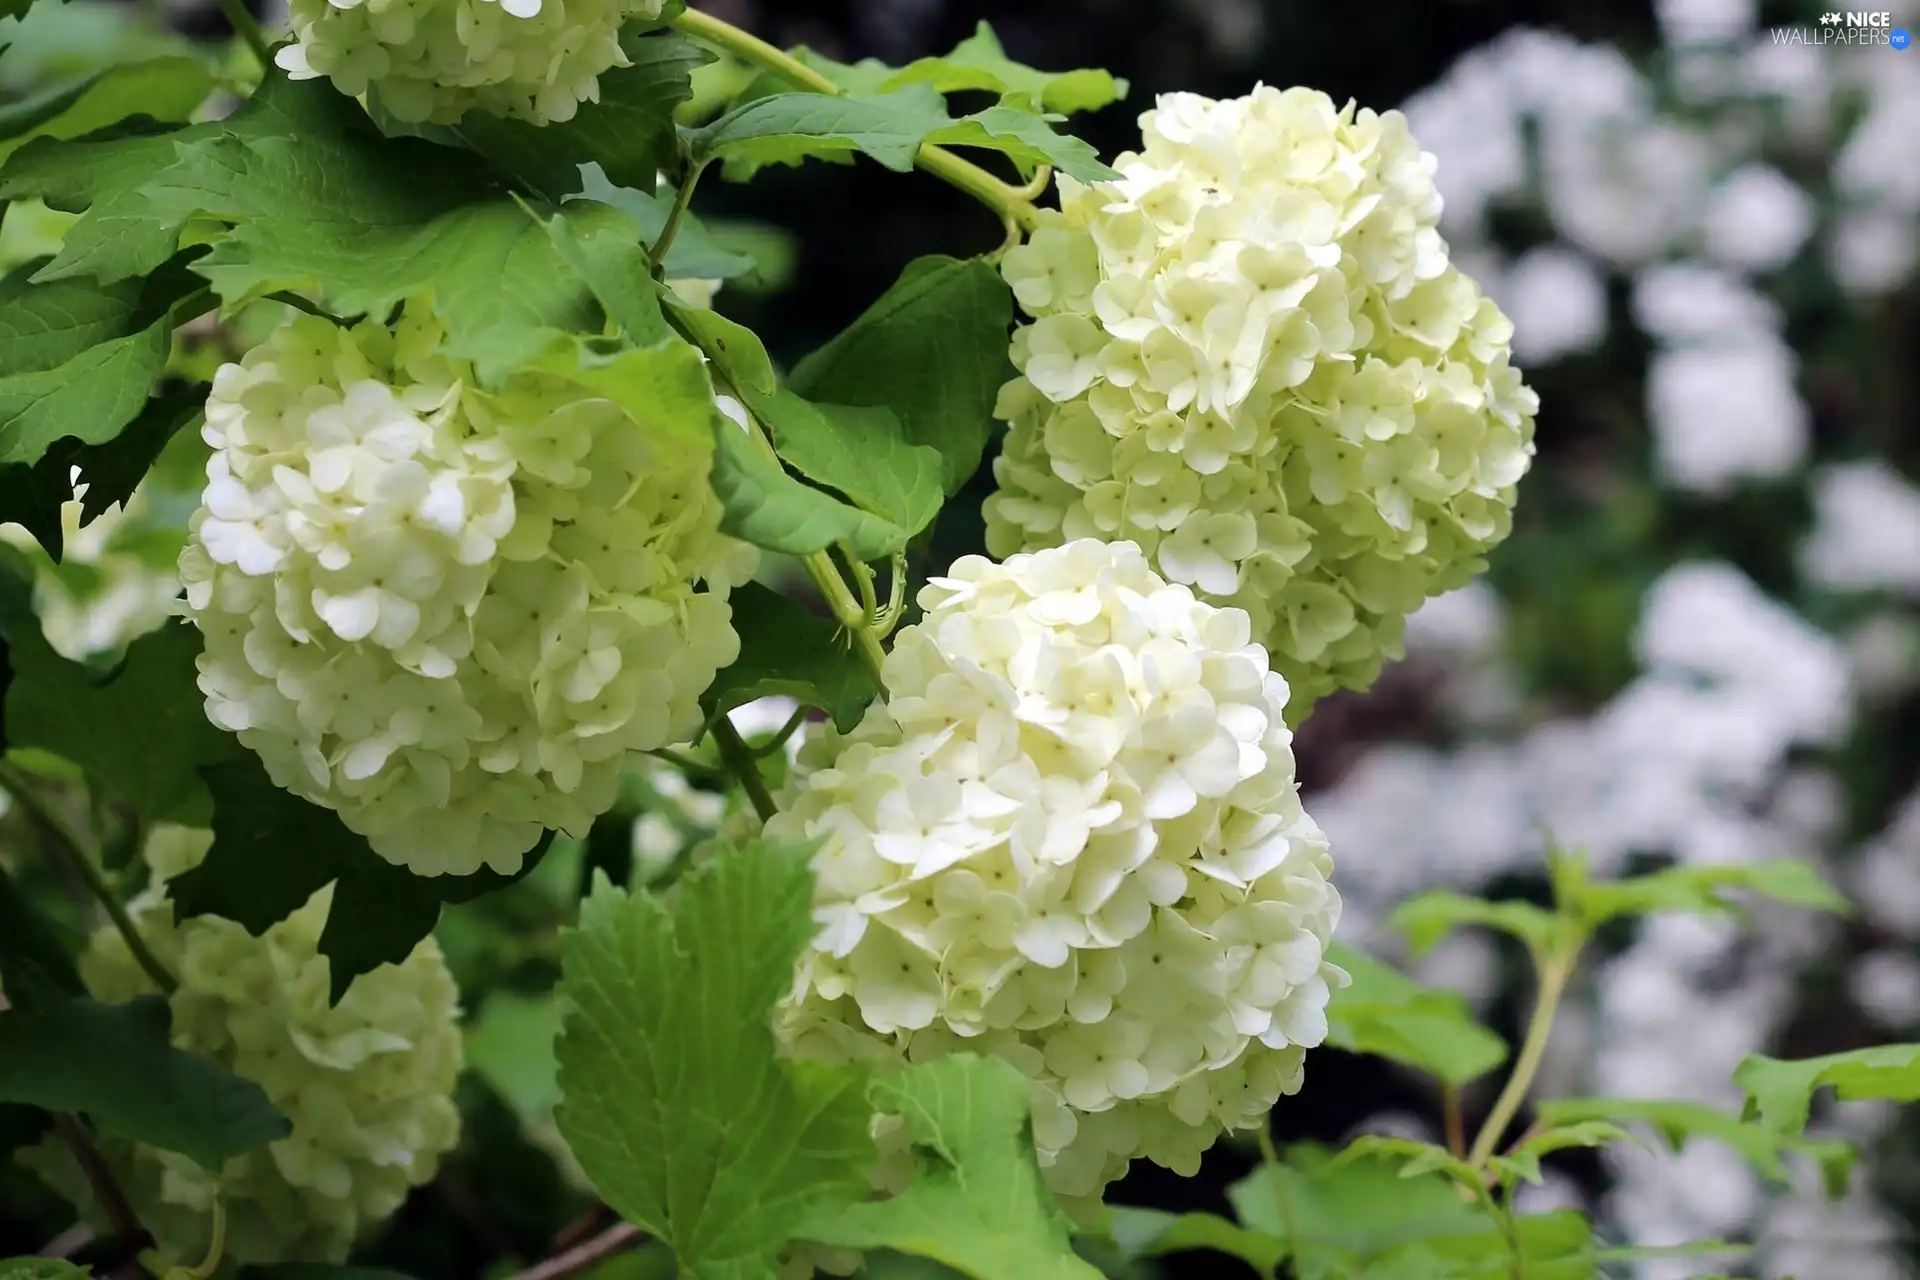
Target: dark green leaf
{"points": [[933, 348], [786, 651], [1386, 1013], [1353, 1210], [116, 1064], [110, 727], [35, 965], [1780, 1092], [674, 1100], [786, 128], [272, 851], [977, 1201], [629, 132], [33, 494], [79, 359], [861, 452], [769, 508]]}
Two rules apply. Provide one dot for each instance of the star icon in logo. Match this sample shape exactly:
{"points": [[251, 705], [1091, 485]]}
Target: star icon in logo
{"points": [[1829, 19]]}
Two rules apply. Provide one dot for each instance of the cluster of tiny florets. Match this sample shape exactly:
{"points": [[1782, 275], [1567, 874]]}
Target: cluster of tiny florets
{"points": [[367, 1083], [435, 60], [1251, 355], [1070, 837], [449, 614]]}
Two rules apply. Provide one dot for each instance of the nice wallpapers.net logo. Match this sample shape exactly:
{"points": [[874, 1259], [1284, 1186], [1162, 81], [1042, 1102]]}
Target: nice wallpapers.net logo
{"points": [[1849, 27]]}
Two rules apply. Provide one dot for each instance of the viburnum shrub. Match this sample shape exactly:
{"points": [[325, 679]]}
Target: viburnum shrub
{"points": [[504, 535]]}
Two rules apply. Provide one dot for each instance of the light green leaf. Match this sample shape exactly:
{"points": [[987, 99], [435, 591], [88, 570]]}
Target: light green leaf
{"points": [[1351, 1210], [861, 452], [109, 726], [1681, 1122], [629, 132], [115, 1064], [977, 1201], [769, 508], [509, 1044], [603, 248], [1384, 1012], [165, 89], [933, 348], [786, 651], [1522, 1161], [1028, 140], [674, 1100], [734, 349], [1427, 919], [1154, 1233], [665, 387], [1706, 889], [695, 254], [360, 222], [979, 63], [786, 128], [1780, 1092]]}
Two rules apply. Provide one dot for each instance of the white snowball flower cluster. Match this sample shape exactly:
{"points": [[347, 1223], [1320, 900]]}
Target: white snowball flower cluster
{"points": [[535, 60], [367, 1083], [1070, 837], [449, 615], [1252, 356]]}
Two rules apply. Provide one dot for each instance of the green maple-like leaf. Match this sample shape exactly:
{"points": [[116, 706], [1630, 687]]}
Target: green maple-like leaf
{"points": [[977, 1201], [673, 1097]]}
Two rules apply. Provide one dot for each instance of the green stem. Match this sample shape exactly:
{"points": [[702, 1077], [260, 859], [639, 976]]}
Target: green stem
{"points": [[1555, 971], [779, 740], [682, 198], [113, 1202], [739, 758], [65, 842], [247, 29], [1003, 198]]}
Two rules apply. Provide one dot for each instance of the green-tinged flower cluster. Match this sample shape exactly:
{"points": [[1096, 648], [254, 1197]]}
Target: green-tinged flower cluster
{"points": [[451, 615], [367, 1083], [1251, 355], [1070, 837], [435, 60]]}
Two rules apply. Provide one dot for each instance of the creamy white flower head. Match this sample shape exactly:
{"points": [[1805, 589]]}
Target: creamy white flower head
{"points": [[448, 614], [368, 1083], [1251, 356], [535, 60], [1070, 837]]}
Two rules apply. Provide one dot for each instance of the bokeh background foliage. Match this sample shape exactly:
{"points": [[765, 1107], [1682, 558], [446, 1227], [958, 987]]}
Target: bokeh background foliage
{"points": [[1701, 643]]}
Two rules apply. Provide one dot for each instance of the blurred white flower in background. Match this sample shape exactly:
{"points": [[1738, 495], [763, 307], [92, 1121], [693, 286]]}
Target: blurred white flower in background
{"points": [[1725, 413], [1557, 300], [1757, 219], [1866, 534]]}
